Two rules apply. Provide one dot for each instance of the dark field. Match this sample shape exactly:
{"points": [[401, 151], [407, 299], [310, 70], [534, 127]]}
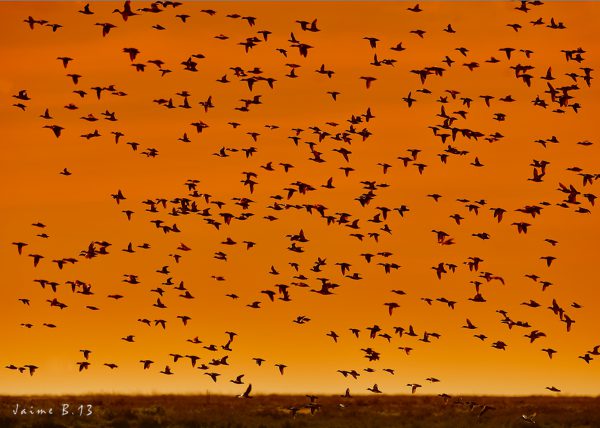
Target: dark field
{"points": [[274, 411]]}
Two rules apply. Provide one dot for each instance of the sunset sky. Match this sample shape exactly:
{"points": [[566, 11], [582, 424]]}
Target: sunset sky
{"points": [[78, 209]]}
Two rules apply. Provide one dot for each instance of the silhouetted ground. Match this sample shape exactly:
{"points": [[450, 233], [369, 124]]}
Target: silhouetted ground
{"points": [[273, 411]]}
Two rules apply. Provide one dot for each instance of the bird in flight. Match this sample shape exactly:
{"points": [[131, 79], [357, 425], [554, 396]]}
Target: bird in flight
{"points": [[246, 393]]}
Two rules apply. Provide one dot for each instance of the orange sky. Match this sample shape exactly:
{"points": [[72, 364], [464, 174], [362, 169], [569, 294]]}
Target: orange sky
{"points": [[78, 209]]}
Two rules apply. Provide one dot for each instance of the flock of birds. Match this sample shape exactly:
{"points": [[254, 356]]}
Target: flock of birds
{"points": [[558, 95]]}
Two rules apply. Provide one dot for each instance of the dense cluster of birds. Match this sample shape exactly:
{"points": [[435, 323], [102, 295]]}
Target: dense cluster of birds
{"points": [[556, 95]]}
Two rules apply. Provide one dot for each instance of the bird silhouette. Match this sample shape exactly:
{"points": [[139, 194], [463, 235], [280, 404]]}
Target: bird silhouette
{"points": [[246, 393]]}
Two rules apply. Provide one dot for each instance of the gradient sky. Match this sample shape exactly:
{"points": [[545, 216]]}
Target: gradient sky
{"points": [[78, 209]]}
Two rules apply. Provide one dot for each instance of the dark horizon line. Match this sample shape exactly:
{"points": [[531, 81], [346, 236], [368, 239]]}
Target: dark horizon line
{"points": [[302, 1], [258, 395]]}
